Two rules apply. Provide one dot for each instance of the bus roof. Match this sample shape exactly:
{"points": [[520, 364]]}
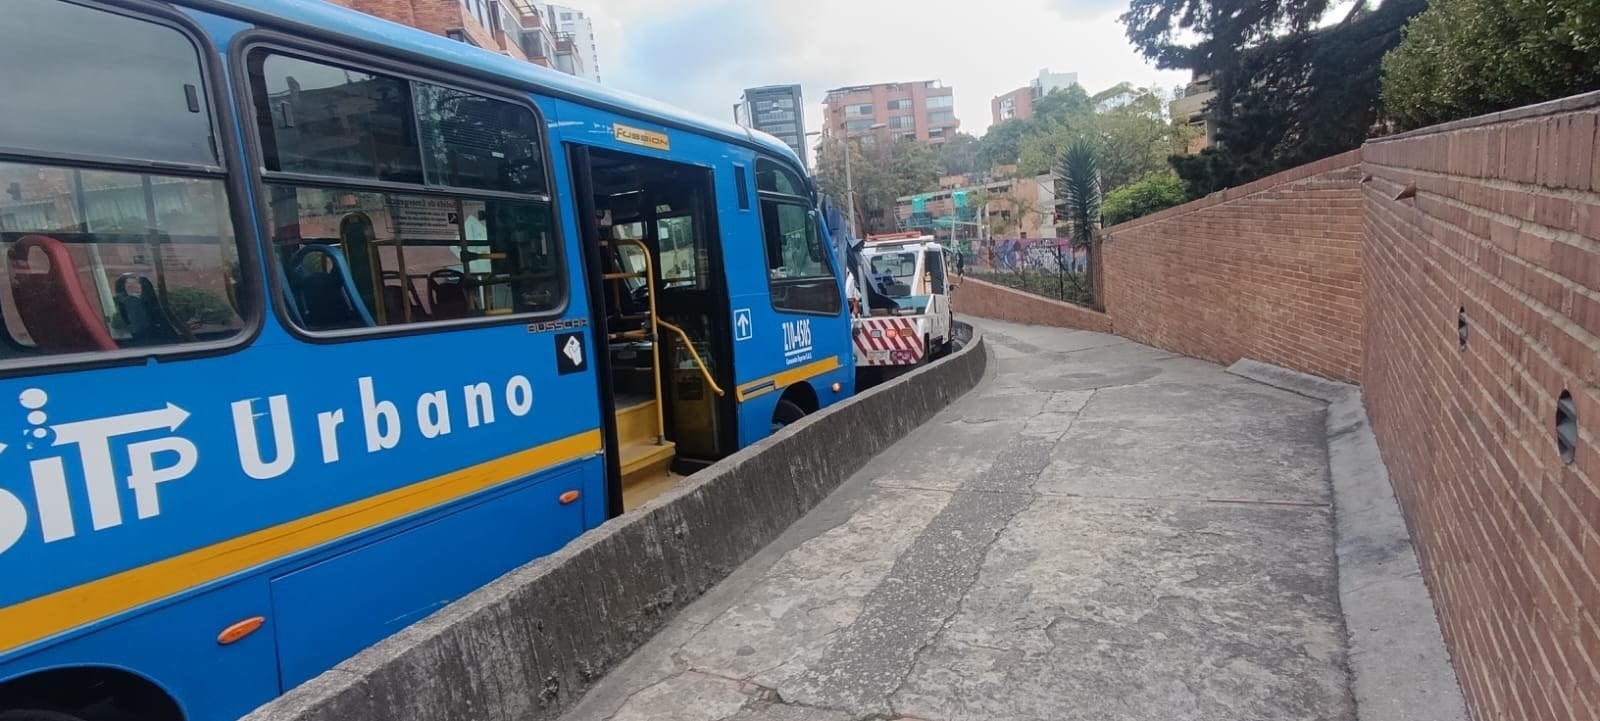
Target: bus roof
{"points": [[317, 18]]}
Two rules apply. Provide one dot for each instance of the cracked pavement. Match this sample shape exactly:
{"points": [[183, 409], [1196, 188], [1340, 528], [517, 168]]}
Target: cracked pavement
{"points": [[1099, 531]]}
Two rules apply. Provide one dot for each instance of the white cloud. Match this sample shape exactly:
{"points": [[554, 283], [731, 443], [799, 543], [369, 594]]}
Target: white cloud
{"points": [[699, 54]]}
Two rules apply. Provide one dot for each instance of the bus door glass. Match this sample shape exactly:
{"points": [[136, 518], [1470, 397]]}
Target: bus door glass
{"points": [[650, 205]]}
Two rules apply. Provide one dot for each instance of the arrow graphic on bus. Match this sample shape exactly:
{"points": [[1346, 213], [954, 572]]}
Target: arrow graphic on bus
{"points": [[743, 329], [93, 438]]}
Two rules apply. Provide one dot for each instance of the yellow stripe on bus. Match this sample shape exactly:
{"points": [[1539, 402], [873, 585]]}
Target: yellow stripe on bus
{"points": [[64, 610], [785, 379]]}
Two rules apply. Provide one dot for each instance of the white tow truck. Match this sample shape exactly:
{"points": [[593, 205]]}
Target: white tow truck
{"points": [[899, 295]]}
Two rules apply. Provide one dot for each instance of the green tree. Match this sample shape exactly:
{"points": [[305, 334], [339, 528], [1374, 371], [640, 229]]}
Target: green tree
{"points": [[1064, 105], [962, 153], [1003, 142], [1129, 142], [1078, 193], [1209, 35], [880, 173], [1155, 191], [1468, 57], [1298, 98]]}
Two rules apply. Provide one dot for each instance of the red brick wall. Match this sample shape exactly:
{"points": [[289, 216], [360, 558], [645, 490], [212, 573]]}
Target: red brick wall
{"points": [[987, 300], [1270, 270], [1505, 223]]}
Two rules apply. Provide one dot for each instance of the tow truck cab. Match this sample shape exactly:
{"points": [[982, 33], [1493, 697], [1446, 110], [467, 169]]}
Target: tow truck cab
{"points": [[900, 301]]}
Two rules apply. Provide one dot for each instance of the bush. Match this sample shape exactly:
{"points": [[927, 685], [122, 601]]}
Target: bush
{"points": [[1462, 58], [198, 306], [1153, 192]]}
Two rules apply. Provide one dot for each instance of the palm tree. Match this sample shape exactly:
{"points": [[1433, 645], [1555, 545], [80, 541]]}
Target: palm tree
{"points": [[1078, 196]]}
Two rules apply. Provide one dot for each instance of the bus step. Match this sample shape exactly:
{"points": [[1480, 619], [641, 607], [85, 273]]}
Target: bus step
{"points": [[684, 466], [636, 424], [646, 472]]}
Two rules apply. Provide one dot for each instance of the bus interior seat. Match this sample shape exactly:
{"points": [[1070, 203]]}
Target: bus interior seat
{"points": [[327, 294], [355, 240], [290, 304], [397, 293], [55, 310], [143, 314], [447, 294]]}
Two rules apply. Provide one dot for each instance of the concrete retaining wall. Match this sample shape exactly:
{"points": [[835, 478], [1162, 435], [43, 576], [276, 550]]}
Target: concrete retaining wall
{"points": [[528, 645]]}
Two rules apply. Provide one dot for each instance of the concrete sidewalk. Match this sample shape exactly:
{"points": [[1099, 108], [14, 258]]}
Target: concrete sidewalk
{"points": [[1100, 531]]}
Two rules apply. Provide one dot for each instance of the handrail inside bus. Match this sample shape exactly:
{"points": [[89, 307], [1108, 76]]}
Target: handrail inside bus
{"points": [[696, 356], [655, 347], [650, 284]]}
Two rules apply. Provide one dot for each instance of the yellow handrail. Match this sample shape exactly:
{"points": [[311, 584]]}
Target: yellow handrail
{"points": [[655, 345], [696, 356]]}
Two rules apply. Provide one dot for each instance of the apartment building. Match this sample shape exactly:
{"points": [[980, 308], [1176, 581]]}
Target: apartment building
{"points": [[923, 111], [516, 28], [776, 110], [578, 29], [1194, 110], [1018, 104]]}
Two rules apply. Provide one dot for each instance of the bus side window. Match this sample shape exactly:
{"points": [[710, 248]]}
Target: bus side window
{"points": [[358, 256], [107, 254], [798, 271]]}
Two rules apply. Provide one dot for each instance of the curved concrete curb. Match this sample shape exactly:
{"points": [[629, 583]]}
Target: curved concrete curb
{"points": [[1399, 667], [529, 644]]}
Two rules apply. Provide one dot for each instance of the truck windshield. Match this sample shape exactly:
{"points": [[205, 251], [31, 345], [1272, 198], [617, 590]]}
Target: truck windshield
{"points": [[892, 273]]}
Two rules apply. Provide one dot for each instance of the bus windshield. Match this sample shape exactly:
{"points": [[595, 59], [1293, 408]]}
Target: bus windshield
{"points": [[892, 273]]}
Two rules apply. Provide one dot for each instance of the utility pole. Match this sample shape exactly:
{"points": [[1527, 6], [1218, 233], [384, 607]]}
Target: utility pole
{"points": [[849, 187], [849, 192]]}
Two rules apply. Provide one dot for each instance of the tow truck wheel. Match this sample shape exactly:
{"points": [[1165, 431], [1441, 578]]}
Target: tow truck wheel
{"points": [[786, 413]]}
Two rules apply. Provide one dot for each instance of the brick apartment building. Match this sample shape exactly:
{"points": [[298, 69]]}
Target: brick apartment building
{"points": [[516, 28], [923, 111], [1018, 104]]}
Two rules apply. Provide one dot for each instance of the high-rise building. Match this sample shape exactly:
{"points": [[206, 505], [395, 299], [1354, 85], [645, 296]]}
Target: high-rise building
{"points": [[776, 110], [1018, 104], [580, 30], [922, 111], [521, 29]]}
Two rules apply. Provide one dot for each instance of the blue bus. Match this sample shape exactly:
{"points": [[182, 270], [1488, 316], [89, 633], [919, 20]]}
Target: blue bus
{"points": [[315, 323]]}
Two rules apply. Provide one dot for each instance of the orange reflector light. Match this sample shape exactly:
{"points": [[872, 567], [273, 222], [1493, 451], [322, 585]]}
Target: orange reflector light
{"points": [[891, 332], [569, 497], [837, 387], [237, 632]]}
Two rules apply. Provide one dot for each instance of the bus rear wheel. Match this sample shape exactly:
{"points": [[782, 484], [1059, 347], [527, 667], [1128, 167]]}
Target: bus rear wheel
{"points": [[37, 715], [786, 413]]}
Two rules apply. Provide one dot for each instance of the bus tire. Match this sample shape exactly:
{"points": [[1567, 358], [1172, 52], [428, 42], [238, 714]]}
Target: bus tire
{"points": [[787, 413], [25, 714]]}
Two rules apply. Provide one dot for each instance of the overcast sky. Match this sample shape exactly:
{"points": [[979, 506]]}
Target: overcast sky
{"points": [[699, 54]]}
